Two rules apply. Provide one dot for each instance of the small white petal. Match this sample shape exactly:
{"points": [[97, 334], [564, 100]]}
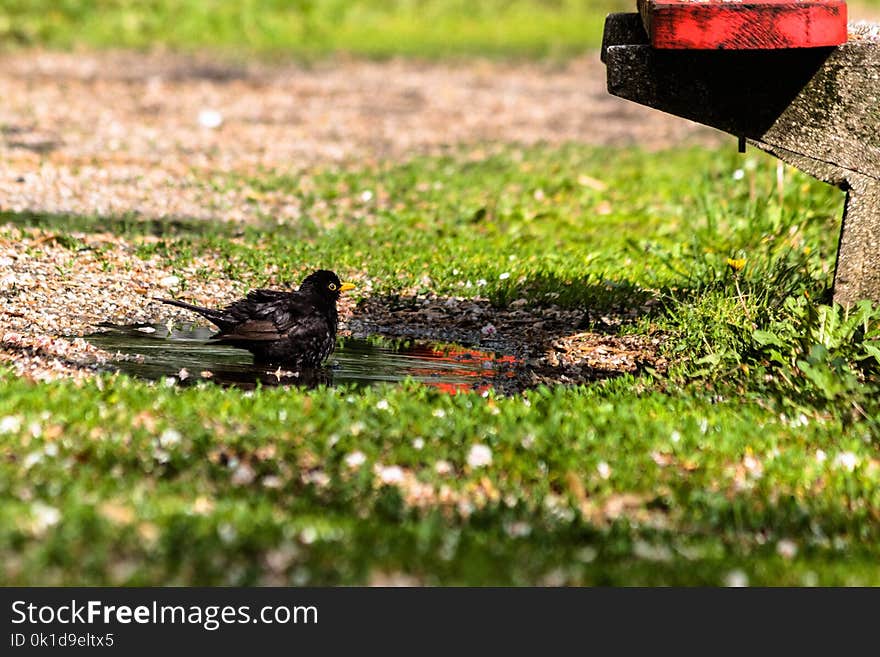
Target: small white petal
{"points": [[442, 467], [847, 461], [45, 516], [391, 474], [736, 578], [210, 118], [169, 438], [243, 475], [479, 456], [10, 424], [787, 548]]}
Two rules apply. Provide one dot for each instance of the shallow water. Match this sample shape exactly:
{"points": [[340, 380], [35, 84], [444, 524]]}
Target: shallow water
{"points": [[186, 355]]}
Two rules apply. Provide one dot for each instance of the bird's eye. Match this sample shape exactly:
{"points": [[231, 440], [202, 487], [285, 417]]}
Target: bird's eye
{"points": [[332, 287]]}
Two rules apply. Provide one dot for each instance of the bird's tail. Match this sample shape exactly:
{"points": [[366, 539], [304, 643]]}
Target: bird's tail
{"points": [[214, 316]]}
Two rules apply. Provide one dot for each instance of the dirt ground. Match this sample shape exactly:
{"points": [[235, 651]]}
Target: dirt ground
{"points": [[141, 135], [122, 133]]}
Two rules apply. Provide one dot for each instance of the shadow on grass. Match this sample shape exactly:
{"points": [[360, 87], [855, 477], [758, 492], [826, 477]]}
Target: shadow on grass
{"points": [[605, 303], [582, 340], [122, 225]]}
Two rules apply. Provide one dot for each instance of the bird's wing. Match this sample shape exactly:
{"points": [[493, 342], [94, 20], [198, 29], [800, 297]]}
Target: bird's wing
{"points": [[266, 296], [268, 315], [259, 305], [252, 330]]}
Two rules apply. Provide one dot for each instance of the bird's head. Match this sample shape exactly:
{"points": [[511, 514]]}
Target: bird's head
{"points": [[325, 285]]}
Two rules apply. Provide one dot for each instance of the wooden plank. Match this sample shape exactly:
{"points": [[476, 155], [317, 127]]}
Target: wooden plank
{"points": [[743, 25]]}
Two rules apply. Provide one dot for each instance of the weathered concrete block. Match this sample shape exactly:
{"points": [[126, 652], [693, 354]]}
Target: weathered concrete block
{"points": [[815, 108]]}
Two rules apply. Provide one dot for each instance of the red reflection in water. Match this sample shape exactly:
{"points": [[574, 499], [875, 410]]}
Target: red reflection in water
{"points": [[468, 362]]}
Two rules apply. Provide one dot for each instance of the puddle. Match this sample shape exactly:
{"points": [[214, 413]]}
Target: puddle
{"points": [[185, 354]]}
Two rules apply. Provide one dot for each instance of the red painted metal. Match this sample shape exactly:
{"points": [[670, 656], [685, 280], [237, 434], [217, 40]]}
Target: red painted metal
{"points": [[743, 24]]}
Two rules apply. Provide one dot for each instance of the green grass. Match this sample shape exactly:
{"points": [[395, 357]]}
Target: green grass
{"points": [[309, 28], [757, 453], [130, 508], [317, 28], [578, 226]]}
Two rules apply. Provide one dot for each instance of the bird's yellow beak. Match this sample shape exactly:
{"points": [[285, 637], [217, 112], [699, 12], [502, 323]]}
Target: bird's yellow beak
{"points": [[346, 286]]}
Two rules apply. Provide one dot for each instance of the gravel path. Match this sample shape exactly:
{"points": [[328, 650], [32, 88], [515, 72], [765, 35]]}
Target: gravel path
{"points": [[122, 133], [143, 135]]}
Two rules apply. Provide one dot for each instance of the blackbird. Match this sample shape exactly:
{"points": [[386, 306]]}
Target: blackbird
{"points": [[296, 329]]}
